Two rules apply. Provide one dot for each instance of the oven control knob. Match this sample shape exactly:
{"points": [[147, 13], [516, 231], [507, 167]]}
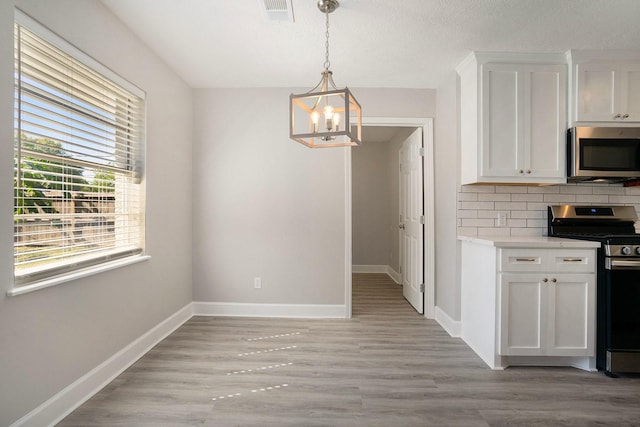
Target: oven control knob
{"points": [[626, 250], [637, 250]]}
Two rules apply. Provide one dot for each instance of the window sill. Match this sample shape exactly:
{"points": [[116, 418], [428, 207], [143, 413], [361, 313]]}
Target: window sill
{"points": [[90, 271]]}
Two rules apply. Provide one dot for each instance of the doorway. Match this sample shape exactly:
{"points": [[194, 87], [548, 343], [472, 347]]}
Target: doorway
{"points": [[385, 130]]}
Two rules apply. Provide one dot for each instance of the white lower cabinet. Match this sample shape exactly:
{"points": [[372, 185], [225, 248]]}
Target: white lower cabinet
{"points": [[529, 306], [546, 314]]}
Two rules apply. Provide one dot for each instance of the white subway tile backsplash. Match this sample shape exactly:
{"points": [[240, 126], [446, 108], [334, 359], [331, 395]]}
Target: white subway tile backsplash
{"points": [[491, 214], [575, 189], [626, 200], [511, 189], [511, 206], [539, 207], [632, 191], [527, 197], [517, 223], [468, 231], [607, 189], [540, 223], [528, 214], [467, 213], [526, 207], [478, 189], [592, 199], [494, 197], [483, 222], [552, 189], [528, 231], [560, 198], [493, 232], [476, 205], [467, 197]]}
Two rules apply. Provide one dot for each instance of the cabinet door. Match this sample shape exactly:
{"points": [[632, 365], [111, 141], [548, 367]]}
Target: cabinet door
{"points": [[502, 139], [608, 92], [524, 121], [597, 85], [545, 121], [522, 315], [571, 315], [630, 93]]}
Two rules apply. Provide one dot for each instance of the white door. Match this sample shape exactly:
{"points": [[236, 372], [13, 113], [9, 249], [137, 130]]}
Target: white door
{"points": [[411, 220]]}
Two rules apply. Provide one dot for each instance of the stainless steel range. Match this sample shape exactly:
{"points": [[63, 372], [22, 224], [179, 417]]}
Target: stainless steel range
{"points": [[618, 278]]}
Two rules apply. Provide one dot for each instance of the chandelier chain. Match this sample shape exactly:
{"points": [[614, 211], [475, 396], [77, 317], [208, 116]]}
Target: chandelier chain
{"points": [[327, 63]]}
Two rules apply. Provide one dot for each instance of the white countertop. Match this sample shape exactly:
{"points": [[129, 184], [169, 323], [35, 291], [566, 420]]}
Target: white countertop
{"points": [[528, 242]]}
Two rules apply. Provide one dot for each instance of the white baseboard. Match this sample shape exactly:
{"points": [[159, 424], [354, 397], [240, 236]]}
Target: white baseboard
{"points": [[394, 275], [385, 269], [369, 268], [269, 310], [75, 394], [453, 327]]}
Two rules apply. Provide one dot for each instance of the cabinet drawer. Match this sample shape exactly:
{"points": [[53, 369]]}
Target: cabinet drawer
{"points": [[523, 260], [572, 261], [548, 260]]}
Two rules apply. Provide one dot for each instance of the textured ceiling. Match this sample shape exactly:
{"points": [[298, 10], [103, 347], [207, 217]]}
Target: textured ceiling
{"points": [[374, 43]]}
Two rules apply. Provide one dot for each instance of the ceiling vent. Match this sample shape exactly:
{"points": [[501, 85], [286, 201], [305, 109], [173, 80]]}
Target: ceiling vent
{"points": [[277, 10]]}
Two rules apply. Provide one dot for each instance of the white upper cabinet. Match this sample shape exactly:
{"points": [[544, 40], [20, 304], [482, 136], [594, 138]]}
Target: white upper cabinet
{"points": [[606, 88], [513, 118]]}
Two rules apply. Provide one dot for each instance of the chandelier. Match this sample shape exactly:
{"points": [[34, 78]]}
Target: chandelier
{"points": [[325, 116]]}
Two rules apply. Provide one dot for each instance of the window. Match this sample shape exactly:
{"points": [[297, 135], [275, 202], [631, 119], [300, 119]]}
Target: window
{"points": [[78, 159]]}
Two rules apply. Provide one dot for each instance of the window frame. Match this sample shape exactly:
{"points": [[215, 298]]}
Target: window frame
{"points": [[75, 268]]}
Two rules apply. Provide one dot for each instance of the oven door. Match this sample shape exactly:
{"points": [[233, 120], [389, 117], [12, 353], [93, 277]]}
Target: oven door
{"points": [[622, 314]]}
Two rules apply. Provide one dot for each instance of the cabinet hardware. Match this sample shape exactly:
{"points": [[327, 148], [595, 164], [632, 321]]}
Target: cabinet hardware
{"points": [[554, 280], [572, 260], [545, 280], [525, 259], [625, 116], [528, 171], [617, 116]]}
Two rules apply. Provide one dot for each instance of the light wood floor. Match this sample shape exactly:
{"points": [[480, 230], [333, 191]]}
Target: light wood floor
{"points": [[387, 366]]}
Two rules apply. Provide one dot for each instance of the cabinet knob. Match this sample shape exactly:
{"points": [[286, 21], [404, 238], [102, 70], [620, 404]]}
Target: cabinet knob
{"points": [[617, 116], [521, 171], [554, 280], [625, 116], [528, 171], [545, 280]]}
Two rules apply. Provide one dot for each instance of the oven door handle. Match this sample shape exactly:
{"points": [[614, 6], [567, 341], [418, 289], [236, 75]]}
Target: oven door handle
{"points": [[622, 264]]}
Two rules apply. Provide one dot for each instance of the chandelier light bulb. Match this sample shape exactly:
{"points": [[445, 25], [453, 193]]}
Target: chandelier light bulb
{"points": [[328, 116], [315, 117], [336, 121]]}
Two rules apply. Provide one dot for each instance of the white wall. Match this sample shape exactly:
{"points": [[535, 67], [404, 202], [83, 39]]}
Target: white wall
{"points": [[371, 189], [51, 337], [266, 206], [447, 250]]}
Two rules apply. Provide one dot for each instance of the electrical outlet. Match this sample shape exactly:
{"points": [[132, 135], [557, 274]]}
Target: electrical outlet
{"points": [[502, 219], [257, 282]]}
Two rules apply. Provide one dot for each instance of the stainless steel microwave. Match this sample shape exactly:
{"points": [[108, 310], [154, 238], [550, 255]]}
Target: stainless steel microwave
{"points": [[603, 153]]}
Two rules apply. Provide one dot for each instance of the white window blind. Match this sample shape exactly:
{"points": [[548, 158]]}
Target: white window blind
{"points": [[78, 159]]}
